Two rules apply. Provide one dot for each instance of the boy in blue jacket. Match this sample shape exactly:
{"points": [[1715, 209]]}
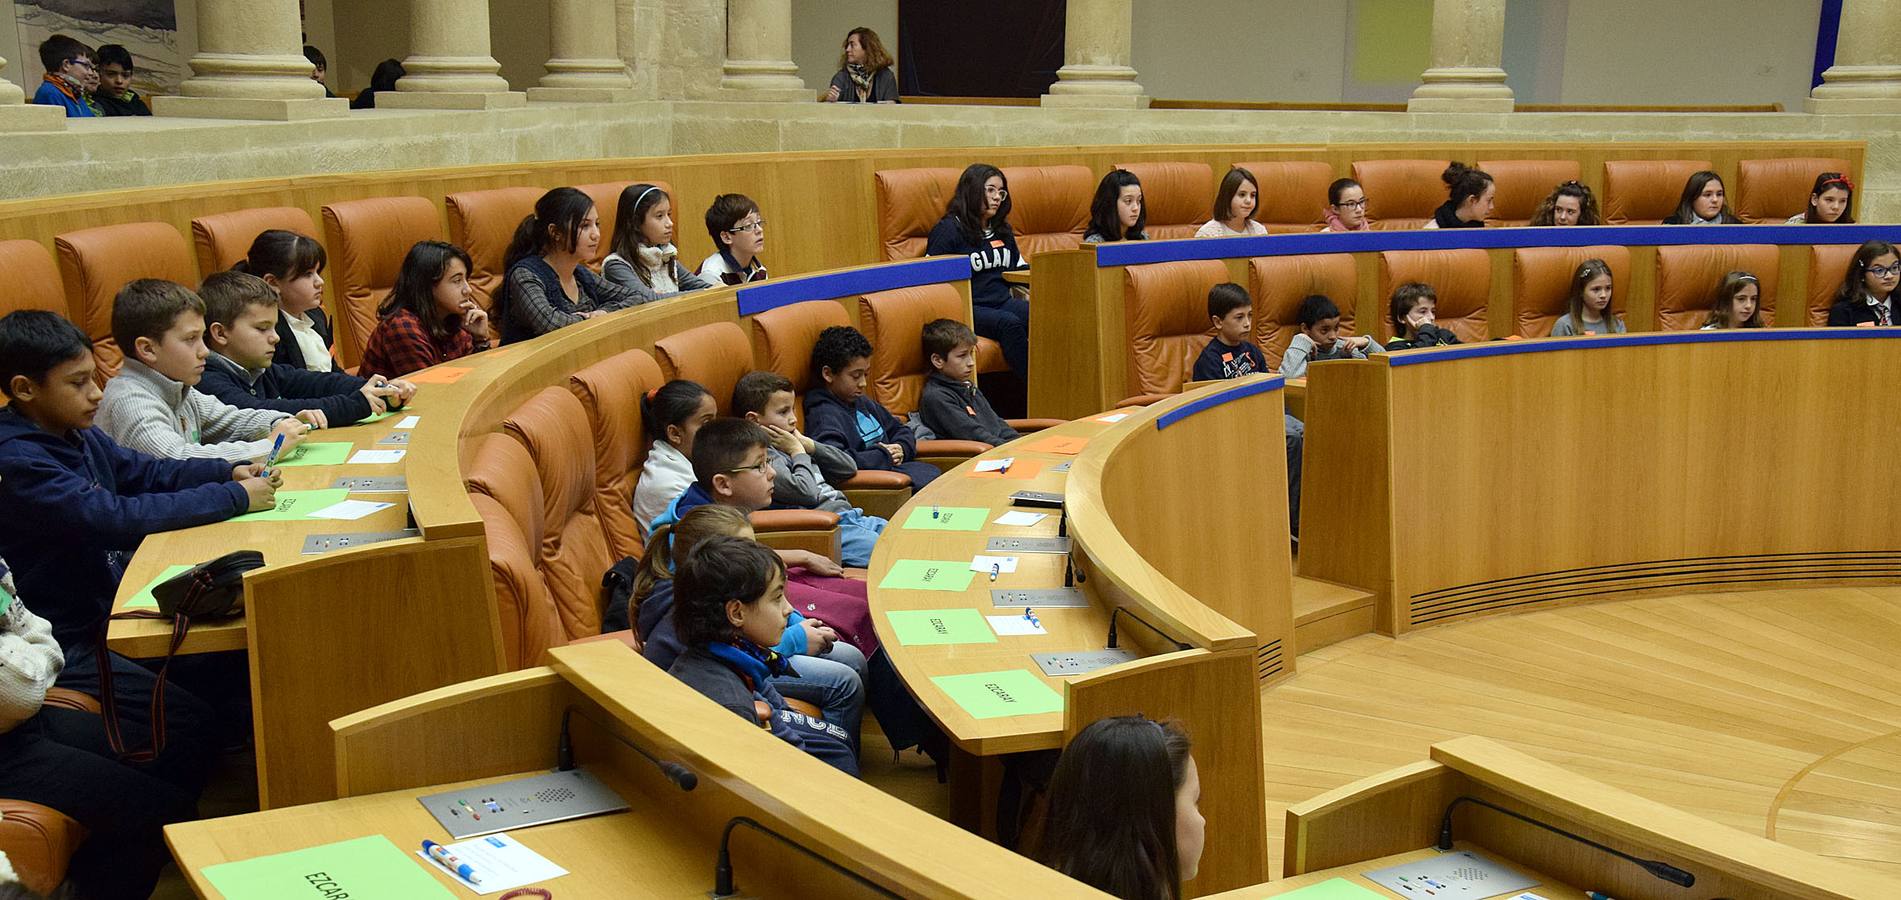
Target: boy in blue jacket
{"points": [[67, 63], [78, 504], [841, 415], [241, 332]]}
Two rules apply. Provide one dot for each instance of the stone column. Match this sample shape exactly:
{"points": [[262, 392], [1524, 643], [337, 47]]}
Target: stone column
{"points": [[759, 53], [1096, 73], [1468, 43], [250, 65], [1866, 76], [586, 67], [18, 115], [449, 64]]}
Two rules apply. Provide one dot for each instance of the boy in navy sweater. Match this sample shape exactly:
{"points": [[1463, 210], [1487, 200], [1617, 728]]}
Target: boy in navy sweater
{"points": [[1230, 355], [841, 415], [241, 332], [951, 406], [78, 504]]}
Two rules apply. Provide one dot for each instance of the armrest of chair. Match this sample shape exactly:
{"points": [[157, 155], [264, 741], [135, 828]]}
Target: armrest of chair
{"points": [[877, 479], [67, 698], [877, 491], [626, 636], [1025, 426], [39, 842], [950, 449], [798, 529], [1142, 400]]}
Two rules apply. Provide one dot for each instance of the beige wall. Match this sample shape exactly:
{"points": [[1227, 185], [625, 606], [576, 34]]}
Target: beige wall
{"points": [[1292, 50], [370, 31], [1690, 51], [819, 27]]}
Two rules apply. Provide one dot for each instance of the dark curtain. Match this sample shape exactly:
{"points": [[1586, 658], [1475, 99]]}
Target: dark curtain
{"points": [[979, 48]]}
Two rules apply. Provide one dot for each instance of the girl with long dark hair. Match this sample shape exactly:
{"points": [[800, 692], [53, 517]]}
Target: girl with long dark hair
{"points": [[1123, 814], [430, 317], [976, 224], [548, 285]]}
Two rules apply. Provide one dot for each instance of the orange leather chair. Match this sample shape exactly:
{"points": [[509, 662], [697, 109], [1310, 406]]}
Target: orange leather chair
{"points": [[1771, 190], [573, 553], [1279, 283], [1522, 184], [606, 196], [1828, 265], [483, 223], [1179, 196], [1049, 206], [1541, 284], [1687, 278], [94, 263], [225, 238], [1645, 191], [367, 240], [507, 495], [910, 201], [1401, 194], [1293, 196], [610, 390], [1165, 308], [31, 278], [894, 320], [40, 841], [1462, 279], [714, 355]]}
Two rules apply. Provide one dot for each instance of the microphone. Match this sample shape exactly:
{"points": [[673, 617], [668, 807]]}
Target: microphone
{"points": [[1661, 870], [681, 776], [723, 885], [1120, 611]]}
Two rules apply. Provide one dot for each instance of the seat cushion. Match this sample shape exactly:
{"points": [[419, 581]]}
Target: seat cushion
{"points": [[782, 338], [1688, 276], [31, 278], [1523, 184], [1462, 279], [223, 239], [504, 492], [1279, 283], [94, 263], [572, 553], [1828, 265], [1293, 197], [1178, 196], [1772, 190], [38, 842], [1049, 206], [606, 196], [894, 320], [714, 355], [1165, 311], [1541, 284], [1401, 193], [1645, 191], [367, 240], [483, 223], [910, 201], [610, 391]]}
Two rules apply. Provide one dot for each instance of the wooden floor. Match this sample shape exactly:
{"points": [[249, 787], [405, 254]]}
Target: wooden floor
{"points": [[1774, 712]]}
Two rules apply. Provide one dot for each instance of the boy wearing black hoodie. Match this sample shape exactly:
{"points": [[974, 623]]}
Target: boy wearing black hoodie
{"points": [[839, 413]]}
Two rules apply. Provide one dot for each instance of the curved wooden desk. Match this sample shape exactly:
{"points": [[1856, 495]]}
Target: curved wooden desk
{"points": [[1487, 478], [1137, 501]]}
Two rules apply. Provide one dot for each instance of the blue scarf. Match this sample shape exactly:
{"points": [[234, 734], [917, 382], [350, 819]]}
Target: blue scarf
{"points": [[754, 663]]}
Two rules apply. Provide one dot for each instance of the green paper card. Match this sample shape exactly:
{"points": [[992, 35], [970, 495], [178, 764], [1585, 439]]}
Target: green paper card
{"points": [[6, 600], [993, 695], [367, 868], [297, 504], [915, 627], [947, 518], [377, 417], [321, 453], [144, 599], [1333, 889], [927, 575]]}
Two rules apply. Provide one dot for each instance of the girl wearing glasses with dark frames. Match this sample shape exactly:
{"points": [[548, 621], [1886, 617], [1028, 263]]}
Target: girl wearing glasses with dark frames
{"points": [[976, 224], [1866, 297], [1346, 207]]}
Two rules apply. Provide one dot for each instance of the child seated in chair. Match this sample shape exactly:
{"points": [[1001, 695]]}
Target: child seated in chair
{"points": [[241, 332], [729, 608], [1320, 338], [804, 466], [1230, 355], [951, 406], [841, 415]]}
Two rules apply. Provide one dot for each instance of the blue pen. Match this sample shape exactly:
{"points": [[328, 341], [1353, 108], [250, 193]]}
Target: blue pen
{"points": [[448, 860], [1030, 614], [276, 446]]}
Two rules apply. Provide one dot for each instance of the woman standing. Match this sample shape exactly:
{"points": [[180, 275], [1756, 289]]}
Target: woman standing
{"points": [[864, 72]]}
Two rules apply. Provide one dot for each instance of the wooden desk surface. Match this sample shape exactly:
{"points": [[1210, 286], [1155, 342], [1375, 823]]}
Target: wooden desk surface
{"points": [[1547, 887], [1017, 276], [280, 542], [1074, 628]]}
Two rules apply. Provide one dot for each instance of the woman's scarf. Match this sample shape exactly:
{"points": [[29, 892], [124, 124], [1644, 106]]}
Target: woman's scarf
{"points": [[860, 79]]}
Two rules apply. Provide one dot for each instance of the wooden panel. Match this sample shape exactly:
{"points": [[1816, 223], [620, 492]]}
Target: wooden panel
{"points": [[450, 733], [1347, 480], [1213, 696], [1392, 812]]}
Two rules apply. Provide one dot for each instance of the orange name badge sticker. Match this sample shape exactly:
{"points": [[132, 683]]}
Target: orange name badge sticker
{"points": [[996, 242], [439, 375], [1061, 444]]}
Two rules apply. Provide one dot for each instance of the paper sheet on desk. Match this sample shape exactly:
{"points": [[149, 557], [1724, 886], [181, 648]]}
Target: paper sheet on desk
{"points": [[409, 422], [350, 510], [296, 505], [144, 599], [367, 868], [1019, 517], [320, 453], [377, 457], [1006, 565], [1333, 889], [1015, 626], [501, 861]]}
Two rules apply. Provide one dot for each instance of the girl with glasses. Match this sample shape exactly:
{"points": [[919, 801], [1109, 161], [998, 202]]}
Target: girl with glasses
{"points": [[976, 224], [1866, 297], [1346, 207]]}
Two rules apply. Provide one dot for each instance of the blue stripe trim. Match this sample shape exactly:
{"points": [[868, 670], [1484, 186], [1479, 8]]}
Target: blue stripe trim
{"points": [[1513, 348], [755, 299], [1131, 253], [1204, 404]]}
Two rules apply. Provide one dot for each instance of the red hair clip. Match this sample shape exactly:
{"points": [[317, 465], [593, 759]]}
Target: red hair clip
{"points": [[1841, 180]]}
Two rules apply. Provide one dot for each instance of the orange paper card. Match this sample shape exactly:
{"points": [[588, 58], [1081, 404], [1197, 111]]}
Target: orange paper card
{"points": [[1068, 446], [439, 375], [1021, 470]]}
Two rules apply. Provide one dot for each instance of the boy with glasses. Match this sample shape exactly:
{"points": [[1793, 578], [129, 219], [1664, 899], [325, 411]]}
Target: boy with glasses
{"points": [[68, 67], [739, 232]]}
